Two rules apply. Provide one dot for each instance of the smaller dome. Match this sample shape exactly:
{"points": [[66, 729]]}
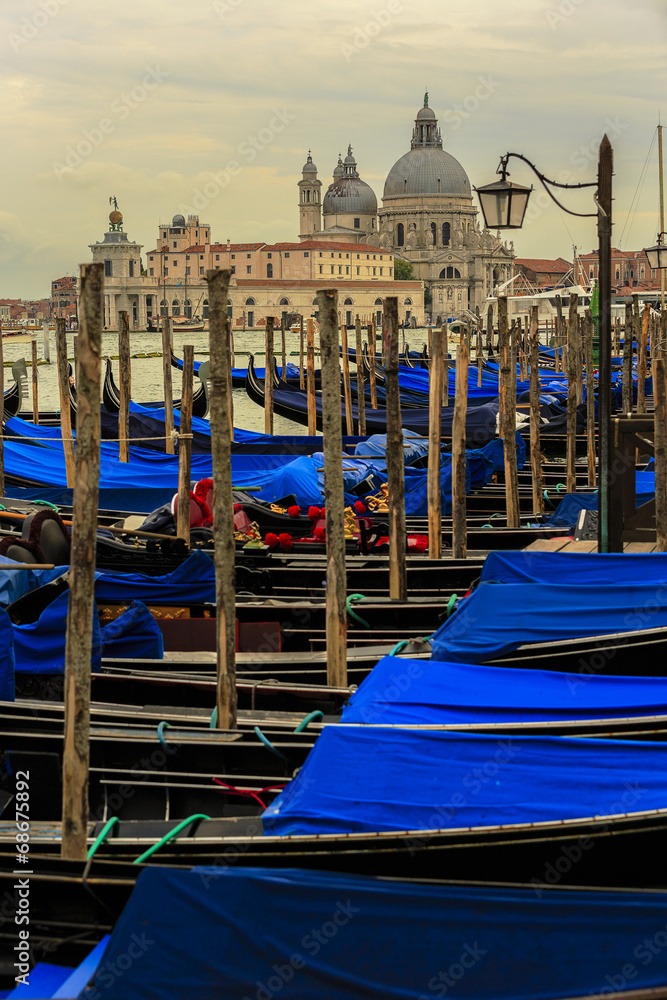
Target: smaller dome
{"points": [[349, 159], [339, 169], [178, 222], [425, 113], [309, 167]]}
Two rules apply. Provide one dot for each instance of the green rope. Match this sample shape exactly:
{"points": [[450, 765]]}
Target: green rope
{"points": [[450, 604], [546, 497], [45, 503], [214, 718], [308, 719], [102, 836], [269, 745], [351, 613], [399, 646], [168, 836], [160, 734], [558, 486]]}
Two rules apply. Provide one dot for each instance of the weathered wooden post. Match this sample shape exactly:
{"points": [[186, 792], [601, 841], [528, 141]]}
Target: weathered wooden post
{"points": [[642, 352], [168, 391], [349, 421], [268, 377], [185, 446], [63, 390], [302, 379], [223, 501], [535, 454], [628, 335], [573, 347], [124, 388], [81, 608], [557, 347], [334, 501], [590, 398], [459, 505], [434, 444], [35, 390], [489, 330], [480, 359], [284, 349], [507, 416], [310, 383], [361, 389], [445, 364], [395, 458], [371, 358], [660, 434], [571, 425]]}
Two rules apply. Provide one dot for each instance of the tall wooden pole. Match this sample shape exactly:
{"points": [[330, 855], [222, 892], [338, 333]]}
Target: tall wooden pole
{"points": [[223, 501], [302, 381], [445, 364], [660, 439], [349, 422], [642, 352], [185, 446], [434, 444], [284, 349], [590, 398], [572, 381], [268, 377], [627, 359], [535, 454], [310, 361], [361, 388], [575, 346], [124, 371], [334, 501], [65, 409], [395, 457], [609, 501], [35, 391], [81, 608], [480, 360], [459, 506], [2, 415], [507, 417], [168, 391], [371, 357]]}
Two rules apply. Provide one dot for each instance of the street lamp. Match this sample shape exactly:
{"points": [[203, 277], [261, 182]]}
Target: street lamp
{"points": [[503, 205], [657, 255]]}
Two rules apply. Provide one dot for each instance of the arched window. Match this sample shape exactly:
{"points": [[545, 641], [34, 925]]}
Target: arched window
{"points": [[446, 231], [348, 302], [187, 308], [450, 272], [284, 302], [434, 234], [250, 302], [378, 302], [400, 235], [307, 195], [269, 270], [314, 302], [408, 302], [175, 308], [204, 313], [164, 311]]}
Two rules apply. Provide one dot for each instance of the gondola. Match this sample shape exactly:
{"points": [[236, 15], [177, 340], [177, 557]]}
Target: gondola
{"points": [[200, 399], [17, 392], [239, 374]]}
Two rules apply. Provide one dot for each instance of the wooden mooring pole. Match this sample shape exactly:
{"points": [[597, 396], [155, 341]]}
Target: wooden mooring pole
{"points": [[65, 409], [168, 390], [508, 416], [434, 445], [445, 365], [660, 438], [628, 335], [572, 382], [361, 388], [334, 501], [302, 380], [459, 505], [284, 349], [535, 453], [590, 399], [185, 446], [310, 381], [35, 390], [268, 377], [347, 388], [371, 358], [81, 608], [398, 583], [224, 556], [124, 388]]}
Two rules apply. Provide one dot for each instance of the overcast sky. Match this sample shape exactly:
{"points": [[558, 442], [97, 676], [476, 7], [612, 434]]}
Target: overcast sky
{"points": [[210, 106]]}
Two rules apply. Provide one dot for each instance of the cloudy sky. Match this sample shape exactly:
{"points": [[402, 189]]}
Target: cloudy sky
{"points": [[209, 106]]}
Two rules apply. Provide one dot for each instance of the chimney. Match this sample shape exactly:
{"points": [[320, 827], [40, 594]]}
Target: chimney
{"points": [[229, 245]]}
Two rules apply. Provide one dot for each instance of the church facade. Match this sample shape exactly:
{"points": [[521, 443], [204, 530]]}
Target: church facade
{"points": [[427, 218]]}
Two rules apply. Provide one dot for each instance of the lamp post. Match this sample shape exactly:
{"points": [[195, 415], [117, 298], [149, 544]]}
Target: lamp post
{"points": [[503, 205]]}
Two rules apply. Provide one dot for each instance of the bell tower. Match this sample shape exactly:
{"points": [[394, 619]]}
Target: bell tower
{"points": [[310, 205]]}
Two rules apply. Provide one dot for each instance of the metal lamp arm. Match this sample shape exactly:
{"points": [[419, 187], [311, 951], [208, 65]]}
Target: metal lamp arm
{"points": [[545, 182]]}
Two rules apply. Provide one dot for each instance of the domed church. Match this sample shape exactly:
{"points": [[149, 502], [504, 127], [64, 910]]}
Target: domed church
{"points": [[427, 218]]}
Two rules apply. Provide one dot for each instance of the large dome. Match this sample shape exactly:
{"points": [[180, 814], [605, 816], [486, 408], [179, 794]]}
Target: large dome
{"points": [[349, 195], [426, 170]]}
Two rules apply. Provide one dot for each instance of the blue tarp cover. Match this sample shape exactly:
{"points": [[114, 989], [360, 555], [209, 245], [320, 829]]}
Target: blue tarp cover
{"points": [[39, 647], [133, 635], [256, 934], [358, 779], [400, 691], [193, 582], [6, 657], [528, 597]]}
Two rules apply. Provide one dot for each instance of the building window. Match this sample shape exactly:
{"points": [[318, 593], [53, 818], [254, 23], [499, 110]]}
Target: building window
{"points": [[381, 270], [287, 255], [250, 302], [269, 270], [374, 271], [269, 255], [446, 230], [348, 302], [132, 269], [233, 256], [175, 263], [175, 244], [151, 272], [357, 223], [320, 268], [332, 269], [187, 256], [187, 270], [340, 268], [204, 314], [306, 254], [108, 269], [408, 302], [201, 270], [320, 253], [233, 268], [374, 257], [166, 271], [175, 308], [358, 270], [248, 269], [347, 269], [217, 256], [150, 258], [434, 234]]}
